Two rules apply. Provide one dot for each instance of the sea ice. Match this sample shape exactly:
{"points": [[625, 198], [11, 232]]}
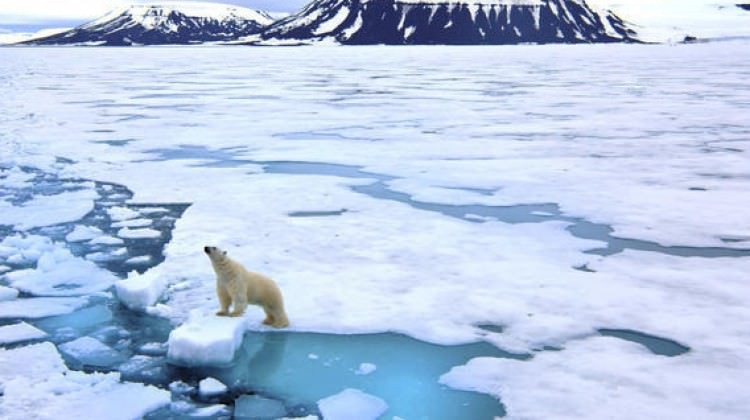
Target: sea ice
{"points": [[83, 233], [211, 387], [118, 214], [352, 403], [22, 331], [60, 273], [106, 240], [206, 340], [91, 352], [8, 293], [46, 210], [35, 380], [366, 369], [140, 291], [133, 223], [138, 233], [40, 307], [255, 406]]}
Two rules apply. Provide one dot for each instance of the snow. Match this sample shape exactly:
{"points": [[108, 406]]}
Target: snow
{"points": [[139, 291], [21, 331], [210, 387], [650, 140], [46, 210], [334, 22], [36, 382], [672, 20], [352, 403]]}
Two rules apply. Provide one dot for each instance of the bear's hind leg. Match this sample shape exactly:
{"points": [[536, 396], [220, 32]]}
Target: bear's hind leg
{"points": [[275, 317]]}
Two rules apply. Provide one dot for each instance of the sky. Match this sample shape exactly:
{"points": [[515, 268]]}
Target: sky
{"points": [[32, 15]]}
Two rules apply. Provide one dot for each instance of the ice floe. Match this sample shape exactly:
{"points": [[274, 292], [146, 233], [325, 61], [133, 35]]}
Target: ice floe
{"points": [[35, 381], [352, 403], [22, 331]]}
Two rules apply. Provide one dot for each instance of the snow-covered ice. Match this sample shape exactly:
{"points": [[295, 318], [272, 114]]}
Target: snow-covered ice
{"points": [[210, 387], [22, 331], [8, 293], [139, 291], [91, 352], [83, 233], [366, 369], [40, 307], [129, 233], [651, 141], [36, 382], [208, 340], [352, 403]]}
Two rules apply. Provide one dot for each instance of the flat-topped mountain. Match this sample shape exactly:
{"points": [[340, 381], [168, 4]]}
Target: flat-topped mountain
{"points": [[450, 22]]}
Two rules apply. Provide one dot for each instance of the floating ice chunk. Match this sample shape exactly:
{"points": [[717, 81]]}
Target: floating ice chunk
{"points": [[209, 411], [121, 213], [209, 340], [180, 388], [36, 377], [102, 256], [4, 269], [33, 362], [15, 177], [153, 210], [46, 210], [140, 260], [138, 233], [352, 404], [365, 369], [92, 352], [40, 307], [83, 233], [79, 320], [142, 368], [211, 387], [8, 293], [139, 291], [20, 332], [59, 273], [24, 249], [106, 240], [133, 223], [153, 349], [254, 406]]}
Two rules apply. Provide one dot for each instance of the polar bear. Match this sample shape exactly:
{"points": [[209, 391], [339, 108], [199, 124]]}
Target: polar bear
{"points": [[235, 285]]}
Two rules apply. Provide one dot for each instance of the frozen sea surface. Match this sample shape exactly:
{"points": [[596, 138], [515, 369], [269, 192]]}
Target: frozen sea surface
{"points": [[582, 205]]}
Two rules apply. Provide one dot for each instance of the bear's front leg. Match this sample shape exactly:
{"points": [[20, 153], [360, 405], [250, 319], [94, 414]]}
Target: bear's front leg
{"points": [[224, 301], [239, 307]]}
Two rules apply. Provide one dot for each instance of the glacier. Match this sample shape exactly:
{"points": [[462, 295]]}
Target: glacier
{"points": [[418, 203]]}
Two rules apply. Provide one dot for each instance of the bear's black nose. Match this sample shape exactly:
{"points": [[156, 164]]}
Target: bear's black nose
{"points": [[206, 249]]}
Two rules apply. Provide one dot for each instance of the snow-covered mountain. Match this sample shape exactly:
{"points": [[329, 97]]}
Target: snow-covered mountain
{"points": [[676, 20], [450, 22], [168, 23]]}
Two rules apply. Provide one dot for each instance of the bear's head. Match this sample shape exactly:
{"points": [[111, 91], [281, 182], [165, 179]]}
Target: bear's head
{"points": [[214, 253]]}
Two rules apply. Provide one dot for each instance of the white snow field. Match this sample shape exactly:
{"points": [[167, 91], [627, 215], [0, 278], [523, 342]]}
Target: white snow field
{"points": [[367, 182]]}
